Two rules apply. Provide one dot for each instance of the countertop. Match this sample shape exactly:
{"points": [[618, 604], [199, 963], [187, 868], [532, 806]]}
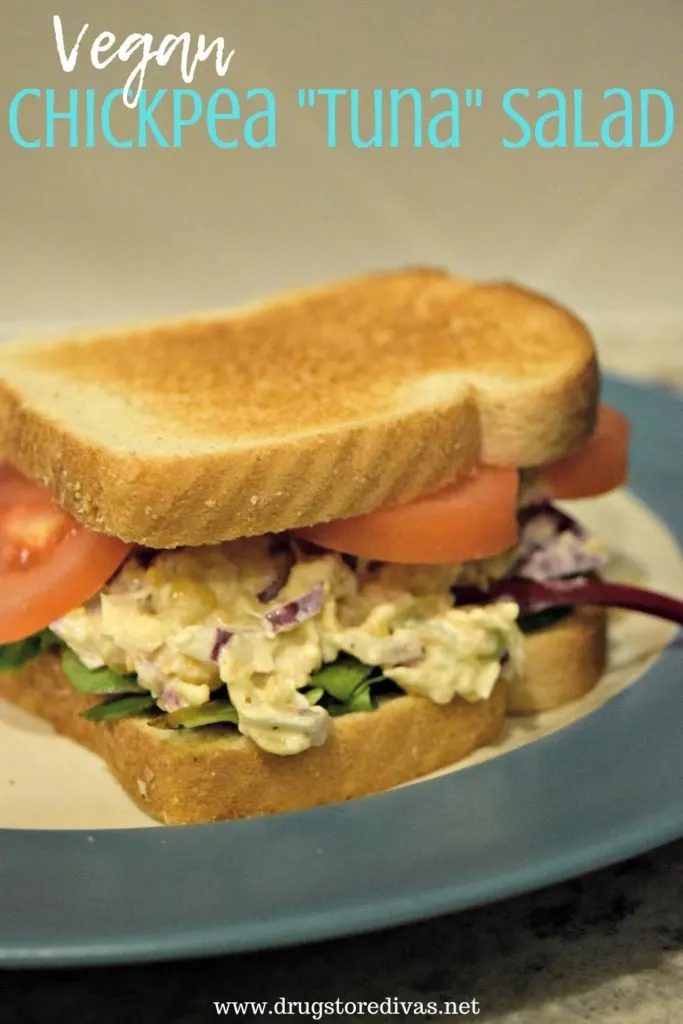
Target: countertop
{"points": [[605, 948]]}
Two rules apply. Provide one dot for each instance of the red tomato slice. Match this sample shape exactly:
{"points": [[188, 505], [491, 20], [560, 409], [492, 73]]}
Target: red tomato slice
{"points": [[601, 465], [473, 519], [15, 489], [49, 563]]}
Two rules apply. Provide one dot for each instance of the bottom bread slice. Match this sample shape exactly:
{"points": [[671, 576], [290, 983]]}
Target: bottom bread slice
{"points": [[562, 663], [192, 776]]}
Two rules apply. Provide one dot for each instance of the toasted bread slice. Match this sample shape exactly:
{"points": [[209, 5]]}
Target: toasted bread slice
{"points": [[564, 662], [317, 405], [189, 777]]}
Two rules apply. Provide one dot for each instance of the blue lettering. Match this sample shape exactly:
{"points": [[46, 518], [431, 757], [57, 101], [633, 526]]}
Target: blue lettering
{"points": [[624, 117], [180, 122], [52, 115], [146, 119], [395, 97], [14, 119], [90, 118], [332, 96], [212, 116], [105, 119], [579, 141], [559, 116], [268, 141], [669, 118], [451, 115], [517, 118], [375, 139]]}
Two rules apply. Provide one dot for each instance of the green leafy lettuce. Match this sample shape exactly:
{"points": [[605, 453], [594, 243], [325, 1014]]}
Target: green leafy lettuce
{"points": [[120, 707], [348, 685], [15, 655], [215, 712], [99, 680], [341, 687], [537, 621]]}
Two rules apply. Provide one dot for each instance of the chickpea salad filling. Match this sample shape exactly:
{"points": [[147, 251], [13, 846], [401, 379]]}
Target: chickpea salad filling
{"points": [[275, 637]]}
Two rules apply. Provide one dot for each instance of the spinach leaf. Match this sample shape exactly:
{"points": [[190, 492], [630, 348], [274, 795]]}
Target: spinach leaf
{"points": [[119, 707], [214, 713], [341, 678], [361, 700], [536, 621], [14, 655], [98, 680]]}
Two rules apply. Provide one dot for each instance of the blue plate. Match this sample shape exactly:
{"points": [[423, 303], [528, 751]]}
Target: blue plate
{"points": [[606, 788]]}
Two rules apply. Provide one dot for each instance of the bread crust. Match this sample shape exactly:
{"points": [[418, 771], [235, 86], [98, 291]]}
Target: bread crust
{"points": [[314, 406], [182, 777], [564, 662], [188, 778]]}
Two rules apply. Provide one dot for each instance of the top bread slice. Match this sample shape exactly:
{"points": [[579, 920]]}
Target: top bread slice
{"points": [[316, 405]]}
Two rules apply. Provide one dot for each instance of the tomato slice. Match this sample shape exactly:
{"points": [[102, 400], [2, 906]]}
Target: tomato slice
{"points": [[15, 489], [475, 518], [49, 563], [600, 466]]}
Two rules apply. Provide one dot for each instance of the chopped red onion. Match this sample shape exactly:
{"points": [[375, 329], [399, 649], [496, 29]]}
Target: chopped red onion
{"points": [[159, 685], [280, 548], [273, 588], [552, 545], [545, 510], [565, 556], [222, 637], [293, 613], [168, 700]]}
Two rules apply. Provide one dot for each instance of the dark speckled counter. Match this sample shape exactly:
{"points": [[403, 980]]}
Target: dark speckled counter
{"points": [[606, 948]]}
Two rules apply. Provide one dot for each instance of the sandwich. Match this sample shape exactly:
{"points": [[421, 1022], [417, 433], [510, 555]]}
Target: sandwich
{"points": [[271, 559]]}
